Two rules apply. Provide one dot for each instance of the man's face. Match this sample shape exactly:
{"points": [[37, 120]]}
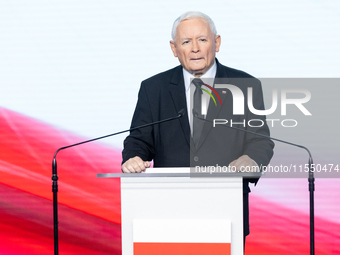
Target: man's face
{"points": [[195, 46]]}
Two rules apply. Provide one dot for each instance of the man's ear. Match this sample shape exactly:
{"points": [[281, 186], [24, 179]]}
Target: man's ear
{"points": [[173, 48], [217, 43]]}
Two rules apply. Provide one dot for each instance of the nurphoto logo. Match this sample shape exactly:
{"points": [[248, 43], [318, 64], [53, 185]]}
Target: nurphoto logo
{"points": [[239, 104]]}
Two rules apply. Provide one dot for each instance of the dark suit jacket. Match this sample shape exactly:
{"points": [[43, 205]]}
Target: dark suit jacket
{"points": [[168, 144]]}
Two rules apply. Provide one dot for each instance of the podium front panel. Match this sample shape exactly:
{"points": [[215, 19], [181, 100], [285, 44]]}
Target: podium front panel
{"points": [[148, 199]]}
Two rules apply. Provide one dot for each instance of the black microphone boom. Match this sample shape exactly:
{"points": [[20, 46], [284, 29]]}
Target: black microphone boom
{"points": [[311, 178], [55, 176]]}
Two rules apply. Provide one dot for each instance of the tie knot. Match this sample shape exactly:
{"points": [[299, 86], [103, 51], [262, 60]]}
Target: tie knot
{"points": [[197, 82]]}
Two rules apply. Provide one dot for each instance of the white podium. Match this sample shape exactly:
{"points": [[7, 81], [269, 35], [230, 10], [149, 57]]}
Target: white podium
{"points": [[165, 211]]}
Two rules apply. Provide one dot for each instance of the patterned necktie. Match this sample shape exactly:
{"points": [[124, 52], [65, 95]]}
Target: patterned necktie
{"points": [[197, 123]]}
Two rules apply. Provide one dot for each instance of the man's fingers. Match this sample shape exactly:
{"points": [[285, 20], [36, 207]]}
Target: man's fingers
{"points": [[124, 169], [236, 164], [135, 165], [147, 164], [244, 164]]}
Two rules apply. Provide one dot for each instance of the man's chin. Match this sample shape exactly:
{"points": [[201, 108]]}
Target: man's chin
{"points": [[198, 72]]}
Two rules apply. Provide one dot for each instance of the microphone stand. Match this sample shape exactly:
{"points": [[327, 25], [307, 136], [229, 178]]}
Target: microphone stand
{"points": [[55, 176], [311, 179]]}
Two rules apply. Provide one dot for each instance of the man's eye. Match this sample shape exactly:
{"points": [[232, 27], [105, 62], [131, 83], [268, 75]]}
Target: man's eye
{"points": [[203, 40], [185, 42]]}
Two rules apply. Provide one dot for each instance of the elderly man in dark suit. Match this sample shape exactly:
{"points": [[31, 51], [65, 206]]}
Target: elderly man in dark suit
{"points": [[173, 144]]}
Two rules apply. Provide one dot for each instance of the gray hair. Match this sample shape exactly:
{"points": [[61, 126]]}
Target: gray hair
{"points": [[192, 15]]}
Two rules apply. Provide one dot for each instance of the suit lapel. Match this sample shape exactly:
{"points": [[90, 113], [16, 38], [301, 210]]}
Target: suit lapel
{"points": [[177, 91], [213, 111]]}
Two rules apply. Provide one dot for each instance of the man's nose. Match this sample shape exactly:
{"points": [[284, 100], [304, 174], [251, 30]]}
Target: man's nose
{"points": [[195, 47]]}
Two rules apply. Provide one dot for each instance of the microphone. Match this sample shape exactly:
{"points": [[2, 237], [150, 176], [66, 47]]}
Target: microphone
{"points": [[180, 114], [311, 178]]}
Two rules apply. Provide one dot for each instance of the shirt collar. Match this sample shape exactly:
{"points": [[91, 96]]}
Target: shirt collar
{"points": [[211, 73]]}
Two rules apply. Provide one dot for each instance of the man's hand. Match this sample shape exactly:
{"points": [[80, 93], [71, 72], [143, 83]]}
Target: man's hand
{"points": [[135, 165], [244, 164]]}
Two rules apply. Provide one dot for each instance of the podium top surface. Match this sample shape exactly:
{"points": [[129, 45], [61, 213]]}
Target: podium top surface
{"points": [[179, 172]]}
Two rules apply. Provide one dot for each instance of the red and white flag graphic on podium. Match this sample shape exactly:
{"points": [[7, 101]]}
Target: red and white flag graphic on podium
{"points": [[181, 237]]}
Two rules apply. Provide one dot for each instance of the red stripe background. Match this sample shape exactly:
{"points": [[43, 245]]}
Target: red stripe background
{"points": [[89, 209]]}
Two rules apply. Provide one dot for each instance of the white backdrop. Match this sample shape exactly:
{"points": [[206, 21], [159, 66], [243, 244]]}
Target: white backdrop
{"points": [[78, 64]]}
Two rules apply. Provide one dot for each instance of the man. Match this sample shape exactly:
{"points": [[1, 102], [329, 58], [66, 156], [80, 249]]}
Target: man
{"points": [[172, 144]]}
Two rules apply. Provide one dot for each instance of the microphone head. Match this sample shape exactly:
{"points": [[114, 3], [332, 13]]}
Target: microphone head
{"points": [[181, 113], [194, 112]]}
